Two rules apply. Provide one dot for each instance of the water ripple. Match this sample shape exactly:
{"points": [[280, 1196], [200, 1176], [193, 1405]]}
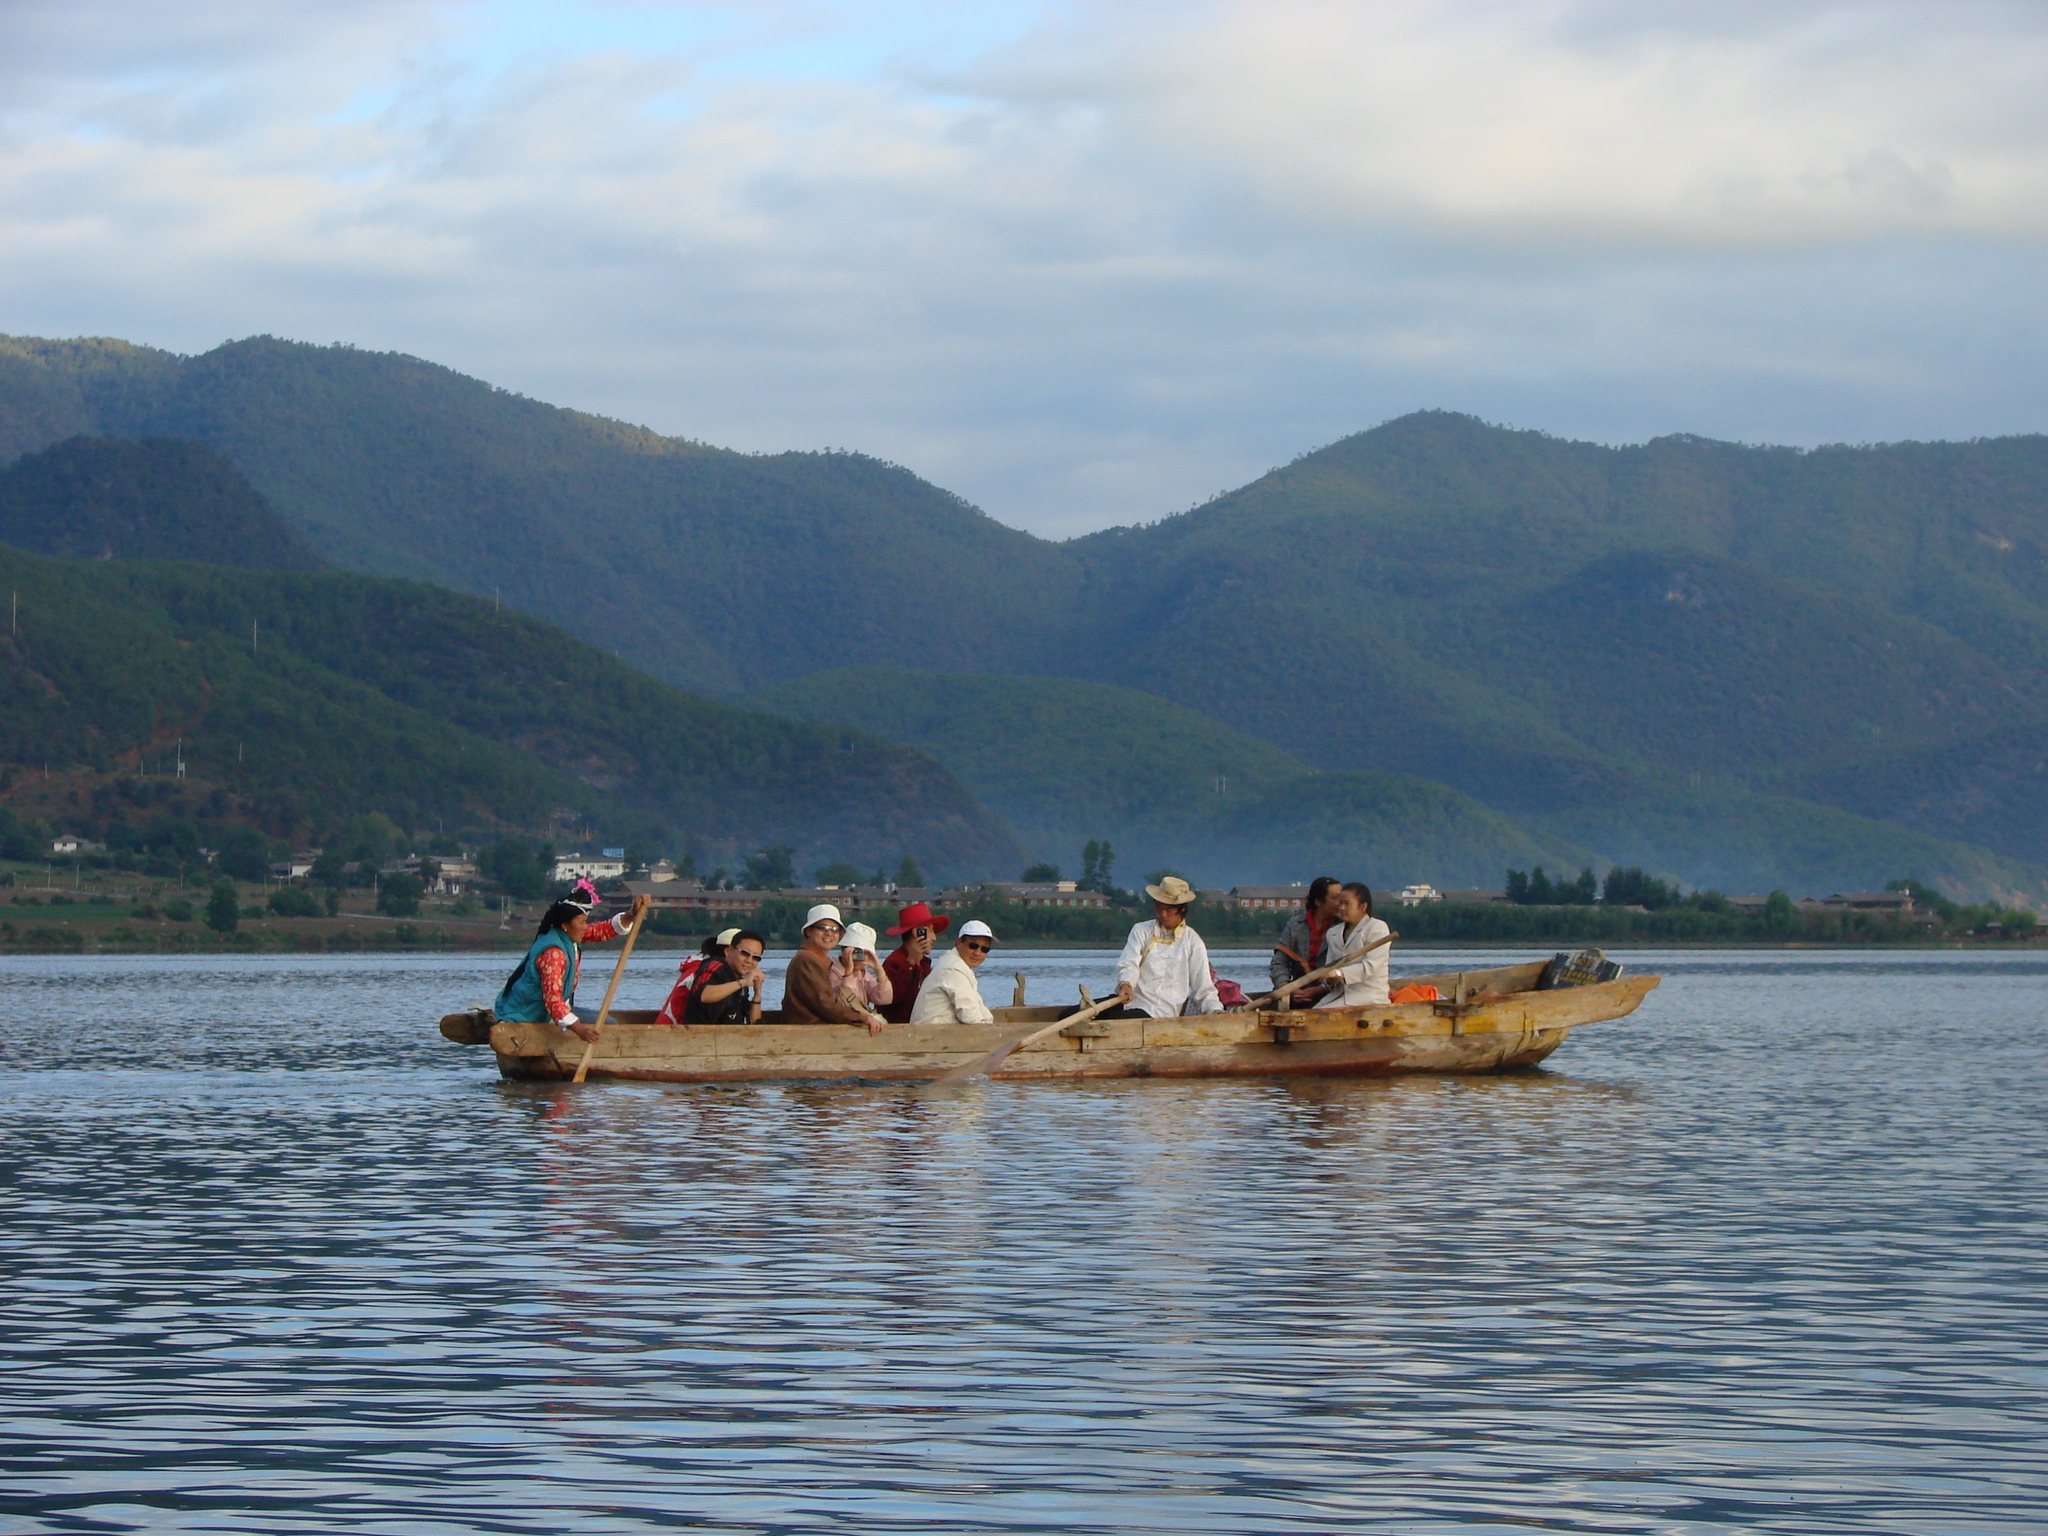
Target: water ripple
{"points": [[1763, 1258]]}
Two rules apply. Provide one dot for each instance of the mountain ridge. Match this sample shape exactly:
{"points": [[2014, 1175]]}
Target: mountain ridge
{"points": [[1423, 598]]}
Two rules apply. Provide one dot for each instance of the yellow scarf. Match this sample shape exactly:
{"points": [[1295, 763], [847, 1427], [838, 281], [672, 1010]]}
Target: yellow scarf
{"points": [[1161, 936]]}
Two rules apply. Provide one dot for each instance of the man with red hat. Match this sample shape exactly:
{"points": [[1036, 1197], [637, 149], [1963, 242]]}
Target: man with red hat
{"points": [[911, 961]]}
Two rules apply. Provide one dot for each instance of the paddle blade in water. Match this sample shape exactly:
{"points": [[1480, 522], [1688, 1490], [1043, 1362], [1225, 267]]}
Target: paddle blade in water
{"points": [[977, 1067]]}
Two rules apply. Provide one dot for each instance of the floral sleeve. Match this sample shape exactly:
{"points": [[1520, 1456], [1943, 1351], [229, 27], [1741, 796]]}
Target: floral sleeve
{"points": [[550, 964]]}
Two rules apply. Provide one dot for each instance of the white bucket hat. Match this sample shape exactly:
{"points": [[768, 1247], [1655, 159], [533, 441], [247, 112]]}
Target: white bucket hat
{"points": [[859, 936], [824, 912]]}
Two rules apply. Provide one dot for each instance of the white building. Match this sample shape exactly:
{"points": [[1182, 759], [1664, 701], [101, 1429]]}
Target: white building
{"points": [[578, 867]]}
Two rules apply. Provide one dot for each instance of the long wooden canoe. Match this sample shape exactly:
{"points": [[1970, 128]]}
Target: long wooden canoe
{"points": [[1490, 1021]]}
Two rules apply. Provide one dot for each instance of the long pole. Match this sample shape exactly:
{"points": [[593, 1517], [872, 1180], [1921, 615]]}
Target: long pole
{"points": [[1286, 994], [610, 992], [996, 1057]]}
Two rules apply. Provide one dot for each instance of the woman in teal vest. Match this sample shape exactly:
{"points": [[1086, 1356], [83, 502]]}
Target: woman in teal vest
{"points": [[543, 986]]}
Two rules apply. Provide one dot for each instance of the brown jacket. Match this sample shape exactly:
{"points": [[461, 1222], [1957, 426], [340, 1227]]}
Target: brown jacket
{"points": [[808, 996]]}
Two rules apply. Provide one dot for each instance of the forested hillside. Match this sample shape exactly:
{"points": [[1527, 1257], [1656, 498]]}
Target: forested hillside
{"points": [[300, 701], [1612, 648], [1065, 761], [709, 568], [152, 498]]}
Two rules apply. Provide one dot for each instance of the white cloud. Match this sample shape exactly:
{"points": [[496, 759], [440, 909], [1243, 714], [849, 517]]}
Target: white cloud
{"points": [[1611, 123], [1103, 266]]}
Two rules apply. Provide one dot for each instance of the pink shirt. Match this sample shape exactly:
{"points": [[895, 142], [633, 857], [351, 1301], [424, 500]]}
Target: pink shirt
{"points": [[874, 991]]}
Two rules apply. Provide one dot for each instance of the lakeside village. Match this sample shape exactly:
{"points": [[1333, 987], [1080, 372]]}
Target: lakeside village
{"points": [[74, 895]]}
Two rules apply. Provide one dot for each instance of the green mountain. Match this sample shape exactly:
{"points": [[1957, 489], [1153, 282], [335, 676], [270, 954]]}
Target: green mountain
{"points": [[151, 498], [1092, 756], [709, 568], [1594, 642], [301, 700], [1064, 762]]}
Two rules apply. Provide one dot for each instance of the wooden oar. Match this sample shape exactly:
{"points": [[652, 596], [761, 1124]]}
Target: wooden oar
{"points": [[996, 1057], [1318, 975], [610, 992]]}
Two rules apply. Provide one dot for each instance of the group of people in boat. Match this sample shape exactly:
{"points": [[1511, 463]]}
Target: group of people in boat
{"points": [[1163, 972], [724, 982]]}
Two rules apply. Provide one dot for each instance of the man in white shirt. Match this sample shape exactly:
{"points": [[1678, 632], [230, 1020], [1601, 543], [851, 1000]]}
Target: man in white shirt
{"points": [[1164, 970], [951, 995]]}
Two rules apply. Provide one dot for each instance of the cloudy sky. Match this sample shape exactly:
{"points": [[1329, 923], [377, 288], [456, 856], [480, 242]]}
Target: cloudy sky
{"points": [[1085, 262]]}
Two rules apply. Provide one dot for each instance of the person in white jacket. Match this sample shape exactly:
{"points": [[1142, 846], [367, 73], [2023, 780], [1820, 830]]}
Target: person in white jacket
{"points": [[1164, 970], [951, 995], [1364, 982]]}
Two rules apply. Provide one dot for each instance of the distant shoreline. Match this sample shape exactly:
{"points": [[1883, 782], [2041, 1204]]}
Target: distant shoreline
{"points": [[387, 943]]}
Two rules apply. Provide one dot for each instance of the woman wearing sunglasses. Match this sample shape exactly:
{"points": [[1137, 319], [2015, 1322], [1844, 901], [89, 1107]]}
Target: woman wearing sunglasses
{"points": [[951, 995]]}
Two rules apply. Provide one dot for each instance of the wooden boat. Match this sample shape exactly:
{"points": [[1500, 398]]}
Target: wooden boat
{"points": [[1489, 1021]]}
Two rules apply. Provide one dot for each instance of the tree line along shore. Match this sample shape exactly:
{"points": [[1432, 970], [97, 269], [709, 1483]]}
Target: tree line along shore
{"points": [[107, 910]]}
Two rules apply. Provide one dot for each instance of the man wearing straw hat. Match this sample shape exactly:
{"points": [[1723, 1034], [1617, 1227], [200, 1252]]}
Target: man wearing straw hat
{"points": [[1163, 972]]}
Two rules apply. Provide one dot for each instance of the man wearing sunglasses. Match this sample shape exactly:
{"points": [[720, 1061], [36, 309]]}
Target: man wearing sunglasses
{"points": [[951, 995]]}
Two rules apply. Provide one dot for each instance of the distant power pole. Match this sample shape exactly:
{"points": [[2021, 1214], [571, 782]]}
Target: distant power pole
{"points": [[252, 637], [14, 613]]}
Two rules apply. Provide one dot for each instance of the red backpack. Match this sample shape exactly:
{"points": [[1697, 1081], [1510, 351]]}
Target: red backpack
{"points": [[679, 995]]}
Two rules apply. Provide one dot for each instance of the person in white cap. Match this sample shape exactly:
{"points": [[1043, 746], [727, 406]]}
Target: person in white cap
{"points": [[951, 995], [858, 974], [1163, 972], [808, 993]]}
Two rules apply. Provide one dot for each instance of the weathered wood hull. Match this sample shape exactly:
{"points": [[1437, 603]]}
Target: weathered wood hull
{"points": [[1509, 1028]]}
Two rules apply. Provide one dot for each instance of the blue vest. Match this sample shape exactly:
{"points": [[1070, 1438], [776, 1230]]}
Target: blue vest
{"points": [[520, 1002]]}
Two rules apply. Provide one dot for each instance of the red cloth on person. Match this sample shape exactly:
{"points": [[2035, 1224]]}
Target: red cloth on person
{"points": [[553, 969], [679, 994], [1228, 992], [904, 980]]}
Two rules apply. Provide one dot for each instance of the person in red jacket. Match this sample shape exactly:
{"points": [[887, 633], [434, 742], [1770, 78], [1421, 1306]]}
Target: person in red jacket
{"points": [[911, 961]]}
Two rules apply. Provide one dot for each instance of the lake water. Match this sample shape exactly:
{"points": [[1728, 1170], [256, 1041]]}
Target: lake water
{"points": [[1768, 1256]]}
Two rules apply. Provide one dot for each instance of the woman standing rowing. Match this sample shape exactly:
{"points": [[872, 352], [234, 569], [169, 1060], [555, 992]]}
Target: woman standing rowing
{"points": [[542, 987]]}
